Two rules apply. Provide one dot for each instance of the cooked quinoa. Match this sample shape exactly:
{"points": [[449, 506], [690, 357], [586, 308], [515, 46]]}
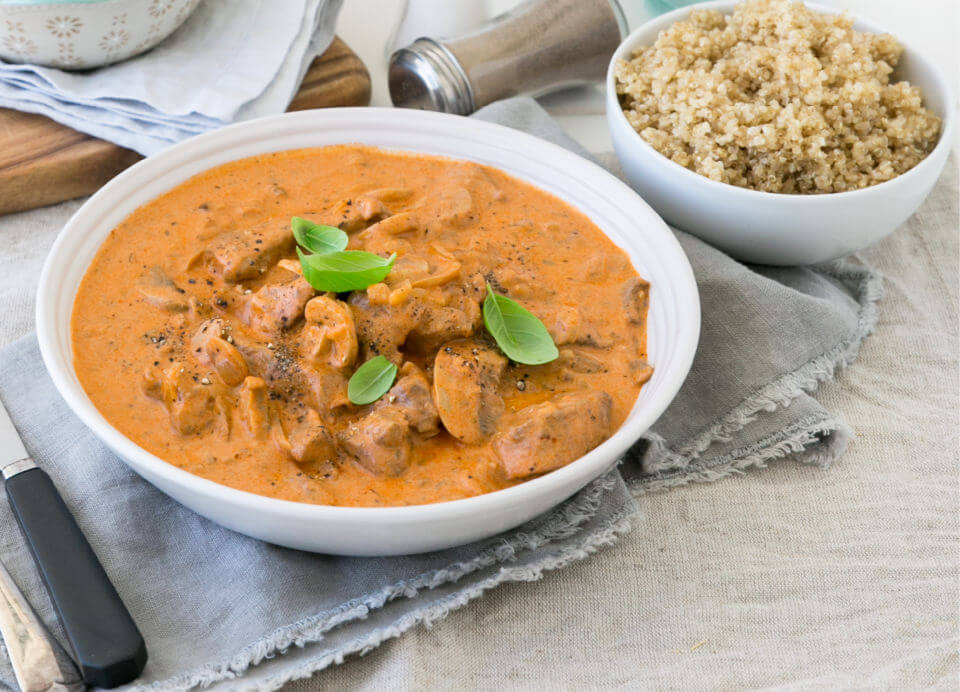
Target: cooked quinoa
{"points": [[777, 97]]}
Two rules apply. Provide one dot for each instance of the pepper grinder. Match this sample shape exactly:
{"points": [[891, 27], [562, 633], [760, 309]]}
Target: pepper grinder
{"points": [[538, 47]]}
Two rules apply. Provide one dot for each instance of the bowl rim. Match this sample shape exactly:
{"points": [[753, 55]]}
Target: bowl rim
{"points": [[662, 21], [598, 459]]}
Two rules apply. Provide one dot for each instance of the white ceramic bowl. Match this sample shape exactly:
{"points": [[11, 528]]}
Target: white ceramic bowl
{"points": [[674, 320], [84, 34], [765, 227]]}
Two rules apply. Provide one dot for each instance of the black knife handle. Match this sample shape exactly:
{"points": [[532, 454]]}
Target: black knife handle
{"points": [[106, 642]]}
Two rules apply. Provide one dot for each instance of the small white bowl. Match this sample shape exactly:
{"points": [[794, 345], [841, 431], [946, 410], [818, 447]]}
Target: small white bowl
{"points": [[770, 228], [91, 33], [673, 320]]}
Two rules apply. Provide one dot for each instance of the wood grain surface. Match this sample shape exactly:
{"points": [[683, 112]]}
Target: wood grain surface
{"points": [[43, 162]]}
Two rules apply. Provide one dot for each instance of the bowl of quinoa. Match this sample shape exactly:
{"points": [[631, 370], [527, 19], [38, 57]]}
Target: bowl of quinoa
{"points": [[782, 132]]}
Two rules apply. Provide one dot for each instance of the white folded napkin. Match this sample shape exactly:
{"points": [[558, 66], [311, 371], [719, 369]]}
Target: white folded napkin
{"points": [[231, 60]]}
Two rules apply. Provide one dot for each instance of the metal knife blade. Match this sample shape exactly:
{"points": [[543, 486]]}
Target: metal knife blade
{"points": [[38, 661], [13, 455]]}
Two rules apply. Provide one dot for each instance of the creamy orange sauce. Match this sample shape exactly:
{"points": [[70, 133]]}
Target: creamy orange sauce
{"points": [[454, 226]]}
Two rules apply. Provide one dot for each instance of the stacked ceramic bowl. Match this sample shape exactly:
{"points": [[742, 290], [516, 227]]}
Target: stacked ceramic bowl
{"points": [[83, 34]]}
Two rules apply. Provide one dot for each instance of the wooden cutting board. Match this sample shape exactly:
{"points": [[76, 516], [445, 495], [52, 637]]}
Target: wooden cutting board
{"points": [[43, 162]]}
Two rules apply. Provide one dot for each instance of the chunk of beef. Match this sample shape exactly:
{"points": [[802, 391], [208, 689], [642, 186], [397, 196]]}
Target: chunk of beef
{"points": [[249, 252], [466, 375], [381, 328], [357, 213], [456, 206], [328, 386], [578, 360], [554, 433], [212, 350], [194, 407], [330, 336], [277, 307], [159, 289], [380, 441], [437, 324], [445, 313], [568, 325], [564, 322], [411, 396], [309, 441], [421, 321], [254, 406], [636, 299]]}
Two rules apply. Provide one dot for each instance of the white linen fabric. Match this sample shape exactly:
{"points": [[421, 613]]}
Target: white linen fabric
{"points": [[230, 60]]}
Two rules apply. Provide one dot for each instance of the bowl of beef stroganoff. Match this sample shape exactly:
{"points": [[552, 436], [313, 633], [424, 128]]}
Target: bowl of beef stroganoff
{"points": [[781, 132], [186, 315]]}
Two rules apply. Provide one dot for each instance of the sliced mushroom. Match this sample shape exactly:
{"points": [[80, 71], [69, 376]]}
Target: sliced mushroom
{"points": [[642, 371], [255, 406], [330, 336], [466, 375], [408, 267], [636, 298], [445, 273], [292, 266], [151, 383], [391, 194], [160, 290], [397, 224]]}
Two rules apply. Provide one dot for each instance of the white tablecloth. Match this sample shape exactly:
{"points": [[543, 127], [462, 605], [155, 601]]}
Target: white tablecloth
{"points": [[786, 577]]}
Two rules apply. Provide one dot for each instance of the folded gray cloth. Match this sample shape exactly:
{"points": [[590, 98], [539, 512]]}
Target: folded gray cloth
{"points": [[214, 605], [231, 60]]}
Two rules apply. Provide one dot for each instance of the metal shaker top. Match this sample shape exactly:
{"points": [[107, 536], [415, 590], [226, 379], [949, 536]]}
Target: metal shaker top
{"points": [[427, 76]]}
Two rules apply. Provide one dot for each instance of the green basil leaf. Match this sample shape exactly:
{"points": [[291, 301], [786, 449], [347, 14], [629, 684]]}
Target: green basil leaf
{"points": [[317, 237], [371, 381], [347, 270], [518, 333]]}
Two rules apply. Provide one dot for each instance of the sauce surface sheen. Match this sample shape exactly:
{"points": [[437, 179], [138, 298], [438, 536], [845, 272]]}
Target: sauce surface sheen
{"points": [[191, 336]]}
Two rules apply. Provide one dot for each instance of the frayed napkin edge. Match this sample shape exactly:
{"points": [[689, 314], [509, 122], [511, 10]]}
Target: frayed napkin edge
{"points": [[560, 523], [667, 468]]}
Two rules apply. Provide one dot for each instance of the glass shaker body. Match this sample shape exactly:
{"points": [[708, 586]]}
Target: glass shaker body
{"points": [[539, 46]]}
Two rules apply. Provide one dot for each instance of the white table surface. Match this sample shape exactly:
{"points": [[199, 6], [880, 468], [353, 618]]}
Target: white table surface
{"points": [[787, 577]]}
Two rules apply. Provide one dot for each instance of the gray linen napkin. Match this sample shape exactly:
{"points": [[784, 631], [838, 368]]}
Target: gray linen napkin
{"points": [[217, 607], [231, 60]]}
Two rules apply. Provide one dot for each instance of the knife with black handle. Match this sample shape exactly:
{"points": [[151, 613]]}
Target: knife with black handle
{"points": [[107, 646]]}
